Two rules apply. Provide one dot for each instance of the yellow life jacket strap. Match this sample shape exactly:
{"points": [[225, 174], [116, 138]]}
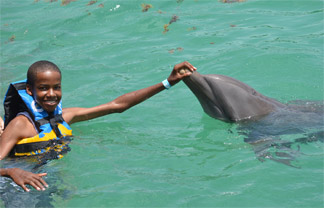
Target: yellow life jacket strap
{"points": [[42, 142]]}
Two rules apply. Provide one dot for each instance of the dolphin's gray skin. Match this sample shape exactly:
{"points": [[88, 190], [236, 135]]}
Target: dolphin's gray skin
{"points": [[228, 99], [262, 120]]}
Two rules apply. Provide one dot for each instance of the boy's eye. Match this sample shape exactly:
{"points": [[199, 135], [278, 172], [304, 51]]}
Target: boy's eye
{"points": [[42, 88]]}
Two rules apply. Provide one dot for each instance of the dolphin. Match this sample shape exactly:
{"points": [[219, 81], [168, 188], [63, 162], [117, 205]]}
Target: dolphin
{"points": [[228, 99], [262, 120]]}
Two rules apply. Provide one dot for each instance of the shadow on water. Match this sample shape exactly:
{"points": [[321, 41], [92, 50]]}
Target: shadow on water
{"points": [[279, 135]]}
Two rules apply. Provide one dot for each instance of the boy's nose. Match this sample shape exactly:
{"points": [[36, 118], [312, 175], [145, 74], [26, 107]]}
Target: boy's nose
{"points": [[50, 93]]}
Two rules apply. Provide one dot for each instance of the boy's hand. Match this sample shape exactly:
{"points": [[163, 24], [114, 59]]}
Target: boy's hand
{"points": [[22, 177], [180, 71]]}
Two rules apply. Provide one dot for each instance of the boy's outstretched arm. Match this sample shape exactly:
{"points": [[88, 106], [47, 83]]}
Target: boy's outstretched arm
{"points": [[128, 100]]}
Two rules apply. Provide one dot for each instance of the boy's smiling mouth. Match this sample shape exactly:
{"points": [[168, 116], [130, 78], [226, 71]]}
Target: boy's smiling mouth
{"points": [[50, 105], [51, 102]]}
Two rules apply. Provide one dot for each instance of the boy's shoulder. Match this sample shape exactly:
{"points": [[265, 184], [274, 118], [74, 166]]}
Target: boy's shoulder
{"points": [[22, 124]]}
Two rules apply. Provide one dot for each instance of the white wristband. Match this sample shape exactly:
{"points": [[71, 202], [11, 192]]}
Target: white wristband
{"points": [[166, 84]]}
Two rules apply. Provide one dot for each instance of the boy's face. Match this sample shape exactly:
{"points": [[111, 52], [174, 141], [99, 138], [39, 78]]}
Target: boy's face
{"points": [[46, 90]]}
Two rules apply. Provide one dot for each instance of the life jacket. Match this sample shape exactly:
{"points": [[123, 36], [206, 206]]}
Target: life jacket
{"points": [[54, 132]]}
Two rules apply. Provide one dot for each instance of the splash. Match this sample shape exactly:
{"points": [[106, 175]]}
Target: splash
{"points": [[115, 8]]}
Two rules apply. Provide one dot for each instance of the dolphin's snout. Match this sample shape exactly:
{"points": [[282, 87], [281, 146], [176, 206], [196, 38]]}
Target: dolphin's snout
{"points": [[192, 78]]}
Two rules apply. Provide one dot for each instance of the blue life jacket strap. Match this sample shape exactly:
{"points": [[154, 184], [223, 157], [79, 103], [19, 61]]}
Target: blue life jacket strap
{"points": [[53, 122]]}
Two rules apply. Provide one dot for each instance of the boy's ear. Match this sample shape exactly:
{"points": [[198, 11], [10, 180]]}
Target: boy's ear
{"points": [[29, 89]]}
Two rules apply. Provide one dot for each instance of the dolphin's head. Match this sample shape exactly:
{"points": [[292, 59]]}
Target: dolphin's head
{"points": [[228, 99], [201, 88]]}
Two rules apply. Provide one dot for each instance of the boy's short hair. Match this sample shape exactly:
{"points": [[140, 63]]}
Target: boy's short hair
{"points": [[40, 66]]}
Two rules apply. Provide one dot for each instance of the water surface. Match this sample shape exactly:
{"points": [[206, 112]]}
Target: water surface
{"points": [[166, 152]]}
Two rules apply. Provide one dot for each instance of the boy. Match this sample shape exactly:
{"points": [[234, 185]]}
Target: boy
{"points": [[43, 92]]}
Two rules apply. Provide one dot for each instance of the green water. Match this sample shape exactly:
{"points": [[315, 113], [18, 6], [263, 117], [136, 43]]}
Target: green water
{"points": [[166, 152]]}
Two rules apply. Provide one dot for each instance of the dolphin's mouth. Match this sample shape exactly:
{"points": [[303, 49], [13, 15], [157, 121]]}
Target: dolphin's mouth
{"points": [[195, 84], [198, 86], [202, 90]]}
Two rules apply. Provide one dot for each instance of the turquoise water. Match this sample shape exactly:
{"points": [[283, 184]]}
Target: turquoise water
{"points": [[166, 152]]}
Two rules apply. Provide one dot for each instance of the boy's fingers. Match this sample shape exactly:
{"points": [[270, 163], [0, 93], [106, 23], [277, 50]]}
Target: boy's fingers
{"points": [[35, 186], [43, 182], [189, 66], [40, 183], [192, 68], [41, 179], [25, 188]]}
